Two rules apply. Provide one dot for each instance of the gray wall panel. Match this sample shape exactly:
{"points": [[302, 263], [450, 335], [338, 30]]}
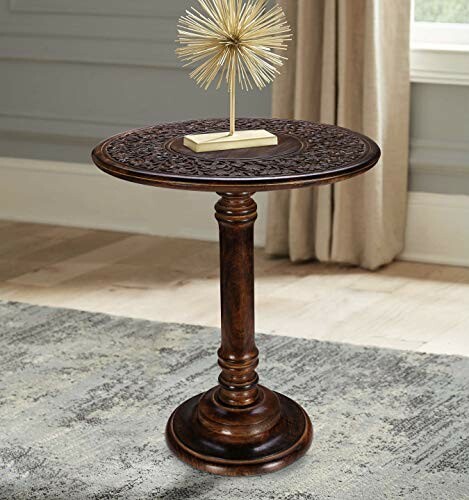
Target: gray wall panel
{"points": [[74, 72], [440, 112], [440, 139]]}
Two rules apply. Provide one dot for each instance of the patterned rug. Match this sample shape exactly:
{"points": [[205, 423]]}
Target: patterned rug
{"points": [[84, 399]]}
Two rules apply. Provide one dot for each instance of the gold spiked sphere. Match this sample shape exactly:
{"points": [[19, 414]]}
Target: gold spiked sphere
{"points": [[236, 41]]}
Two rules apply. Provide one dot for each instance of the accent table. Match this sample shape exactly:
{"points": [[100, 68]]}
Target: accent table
{"points": [[239, 427]]}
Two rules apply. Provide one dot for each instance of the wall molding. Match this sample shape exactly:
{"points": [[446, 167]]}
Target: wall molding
{"points": [[437, 229], [440, 65], [439, 158], [80, 195], [164, 33], [116, 32], [70, 128], [440, 53], [47, 118], [118, 8], [114, 52]]}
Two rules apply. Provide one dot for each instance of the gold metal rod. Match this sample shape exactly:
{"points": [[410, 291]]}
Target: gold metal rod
{"points": [[233, 99]]}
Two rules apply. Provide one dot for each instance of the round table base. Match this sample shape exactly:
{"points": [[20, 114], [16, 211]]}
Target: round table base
{"points": [[262, 438]]}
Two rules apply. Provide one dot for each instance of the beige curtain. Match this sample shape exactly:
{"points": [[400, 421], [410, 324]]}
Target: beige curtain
{"points": [[348, 65]]}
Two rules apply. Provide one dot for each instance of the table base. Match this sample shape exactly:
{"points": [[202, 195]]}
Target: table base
{"points": [[261, 438]]}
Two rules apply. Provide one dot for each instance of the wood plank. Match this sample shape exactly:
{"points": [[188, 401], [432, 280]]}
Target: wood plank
{"points": [[38, 257], [405, 305], [65, 270], [46, 238]]}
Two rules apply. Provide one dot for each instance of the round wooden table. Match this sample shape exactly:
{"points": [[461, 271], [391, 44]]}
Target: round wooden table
{"points": [[238, 427]]}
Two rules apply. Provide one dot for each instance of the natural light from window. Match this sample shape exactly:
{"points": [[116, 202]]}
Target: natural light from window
{"points": [[441, 22], [442, 11], [440, 41]]}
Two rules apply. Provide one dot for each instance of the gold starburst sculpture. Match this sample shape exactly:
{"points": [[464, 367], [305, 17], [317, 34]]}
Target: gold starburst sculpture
{"points": [[237, 42]]}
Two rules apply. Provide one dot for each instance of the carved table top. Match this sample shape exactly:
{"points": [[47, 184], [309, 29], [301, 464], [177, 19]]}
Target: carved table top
{"points": [[308, 153]]}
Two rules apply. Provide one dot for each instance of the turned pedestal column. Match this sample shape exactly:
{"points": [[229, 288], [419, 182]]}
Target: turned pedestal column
{"points": [[238, 427]]}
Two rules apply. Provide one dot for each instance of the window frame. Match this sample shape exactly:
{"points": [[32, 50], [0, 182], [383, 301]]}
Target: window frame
{"points": [[439, 52]]}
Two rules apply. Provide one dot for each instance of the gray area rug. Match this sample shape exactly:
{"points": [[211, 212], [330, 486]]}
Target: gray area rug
{"points": [[84, 400]]}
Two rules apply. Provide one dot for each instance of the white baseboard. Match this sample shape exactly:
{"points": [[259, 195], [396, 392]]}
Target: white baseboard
{"points": [[438, 229], [80, 195]]}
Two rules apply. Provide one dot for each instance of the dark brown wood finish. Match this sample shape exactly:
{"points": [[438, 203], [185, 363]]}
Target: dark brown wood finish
{"points": [[308, 154], [238, 427], [238, 355]]}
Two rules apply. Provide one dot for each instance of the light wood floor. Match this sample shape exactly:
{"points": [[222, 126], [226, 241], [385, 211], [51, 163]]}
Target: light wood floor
{"points": [[406, 305]]}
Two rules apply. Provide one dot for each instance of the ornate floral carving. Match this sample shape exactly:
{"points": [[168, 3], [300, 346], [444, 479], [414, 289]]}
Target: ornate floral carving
{"points": [[326, 148]]}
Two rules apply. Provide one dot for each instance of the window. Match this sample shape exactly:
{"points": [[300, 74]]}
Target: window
{"points": [[440, 41], [441, 11]]}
